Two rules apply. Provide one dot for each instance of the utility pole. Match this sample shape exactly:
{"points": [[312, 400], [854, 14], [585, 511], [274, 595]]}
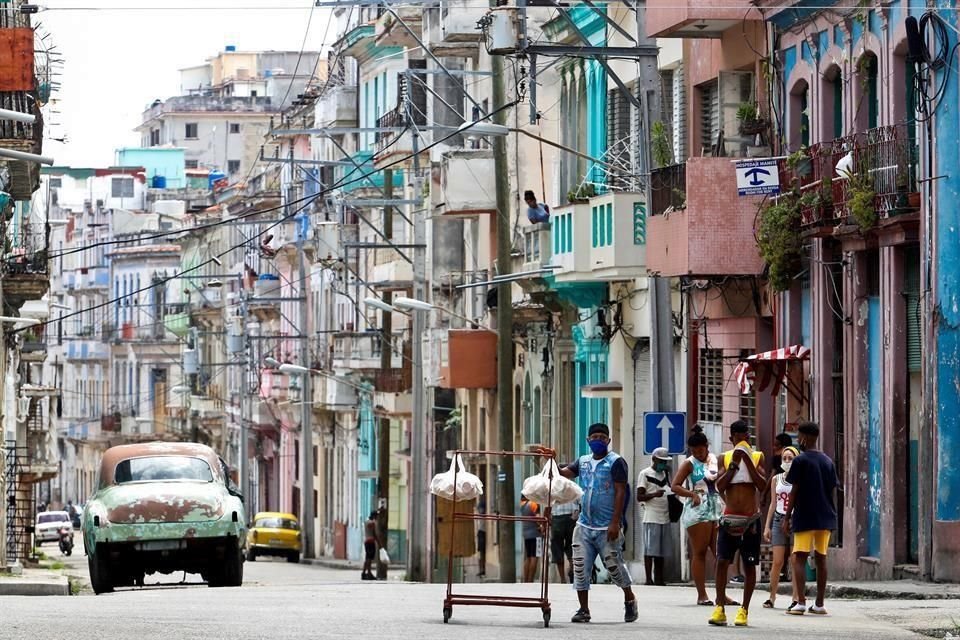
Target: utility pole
{"points": [[307, 523], [383, 450], [505, 491], [418, 446], [243, 472]]}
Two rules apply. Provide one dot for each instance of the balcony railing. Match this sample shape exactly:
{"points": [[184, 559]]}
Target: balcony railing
{"points": [[362, 350], [416, 93], [668, 189], [884, 160], [28, 250]]}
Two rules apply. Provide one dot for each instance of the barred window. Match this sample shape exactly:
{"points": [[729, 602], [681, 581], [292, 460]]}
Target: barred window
{"points": [[710, 388]]}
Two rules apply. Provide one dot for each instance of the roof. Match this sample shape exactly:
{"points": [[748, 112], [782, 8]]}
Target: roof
{"points": [[274, 514], [114, 455]]}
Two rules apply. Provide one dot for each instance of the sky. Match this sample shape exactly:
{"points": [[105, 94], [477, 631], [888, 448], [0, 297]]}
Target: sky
{"points": [[123, 55]]}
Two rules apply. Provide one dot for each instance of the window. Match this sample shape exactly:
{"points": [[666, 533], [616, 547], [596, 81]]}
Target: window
{"points": [[163, 468], [190, 131], [253, 94], [121, 188], [709, 115], [710, 386], [154, 137], [233, 166], [56, 183], [191, 164], [234, 127]]}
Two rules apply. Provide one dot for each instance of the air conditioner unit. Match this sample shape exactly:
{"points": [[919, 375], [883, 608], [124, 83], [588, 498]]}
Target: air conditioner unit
{"points": [[503, 33]]}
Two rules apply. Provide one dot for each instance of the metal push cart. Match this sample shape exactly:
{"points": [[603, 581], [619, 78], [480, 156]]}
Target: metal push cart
{"points": [[543, 602]]}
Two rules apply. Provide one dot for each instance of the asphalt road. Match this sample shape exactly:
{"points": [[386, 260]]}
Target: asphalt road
{"points": [[281, 600]]}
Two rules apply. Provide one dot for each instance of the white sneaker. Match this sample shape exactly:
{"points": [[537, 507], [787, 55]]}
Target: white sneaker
{"points": [[820, 611], [796, 609]]}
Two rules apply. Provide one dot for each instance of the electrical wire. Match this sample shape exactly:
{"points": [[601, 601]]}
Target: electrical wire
{"points": [[281, 220]]}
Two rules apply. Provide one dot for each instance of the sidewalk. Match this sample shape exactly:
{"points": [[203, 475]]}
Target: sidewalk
{"points": [[883, 590], [346, 565], [42, 581]]}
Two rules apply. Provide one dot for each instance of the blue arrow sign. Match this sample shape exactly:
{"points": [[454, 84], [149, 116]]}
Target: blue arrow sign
{"points": [[754, 174], [664, 429]]}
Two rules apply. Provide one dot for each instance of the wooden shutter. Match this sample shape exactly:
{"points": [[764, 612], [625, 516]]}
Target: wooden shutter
{"points": [[911, 286]]}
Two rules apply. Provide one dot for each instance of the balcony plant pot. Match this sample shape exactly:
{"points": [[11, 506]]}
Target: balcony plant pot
{"points": [[752, 127]]}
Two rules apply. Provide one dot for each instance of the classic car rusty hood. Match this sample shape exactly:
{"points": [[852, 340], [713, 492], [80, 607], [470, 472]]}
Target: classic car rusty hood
{"points": [[153, 502]]}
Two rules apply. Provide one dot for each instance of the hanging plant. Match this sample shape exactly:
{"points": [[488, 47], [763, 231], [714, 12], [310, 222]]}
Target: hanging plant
{"points": [[862, 203], [779, 240], [750, 122]]}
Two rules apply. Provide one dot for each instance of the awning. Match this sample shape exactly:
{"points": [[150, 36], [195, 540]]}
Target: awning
{"points": [[756, 372]]}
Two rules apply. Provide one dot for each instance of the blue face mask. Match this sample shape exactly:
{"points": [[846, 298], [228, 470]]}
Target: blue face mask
{"points": [[599, 447]]}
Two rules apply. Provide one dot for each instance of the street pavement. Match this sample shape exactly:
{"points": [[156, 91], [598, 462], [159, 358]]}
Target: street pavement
{"points": [[282, 600]]}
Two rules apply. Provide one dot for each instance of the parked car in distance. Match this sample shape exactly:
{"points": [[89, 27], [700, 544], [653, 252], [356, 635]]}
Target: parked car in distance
{"points": [[161, 508], [48, 526], [274, 534]]}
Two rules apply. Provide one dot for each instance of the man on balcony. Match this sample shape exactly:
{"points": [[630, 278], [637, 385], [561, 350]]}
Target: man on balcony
{"points": [[536, 212]]}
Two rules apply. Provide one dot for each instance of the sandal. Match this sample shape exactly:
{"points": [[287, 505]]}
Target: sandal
{"points": [[732, 603], [768, 604], [705, 603]]}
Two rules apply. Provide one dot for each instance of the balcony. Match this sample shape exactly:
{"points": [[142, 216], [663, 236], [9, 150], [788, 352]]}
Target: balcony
{"points": [[337, 107], [361, 351], [209, 104], [570, 226], [700, 226], [537, 245], [390, 33], [358, 40], [468, 183], [885, 163], [27, 268], [332, 239], [177, 323], [87, 350], [87, 279], [349, 176], [393, 380], [471, 360], [697, 19], [206, 304], [388, 146], [458, 28]]}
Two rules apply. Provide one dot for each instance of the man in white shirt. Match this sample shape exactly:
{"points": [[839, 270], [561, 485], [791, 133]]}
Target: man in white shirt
{"points": [[652, 486]]}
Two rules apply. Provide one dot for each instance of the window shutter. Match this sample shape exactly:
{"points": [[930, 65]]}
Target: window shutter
{"points": [[679, 115], [709, 116], [911, 286]]}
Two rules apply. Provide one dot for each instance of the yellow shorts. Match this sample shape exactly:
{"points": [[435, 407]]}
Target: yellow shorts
{"points": [[807, 541]]}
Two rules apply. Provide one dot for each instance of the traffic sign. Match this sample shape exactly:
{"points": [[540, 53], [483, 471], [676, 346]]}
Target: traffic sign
{"points": [[664, 429], [758, 177]]}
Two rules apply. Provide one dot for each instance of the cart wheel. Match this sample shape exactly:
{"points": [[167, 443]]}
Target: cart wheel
{"points": [[546, 618], [447, 612]]}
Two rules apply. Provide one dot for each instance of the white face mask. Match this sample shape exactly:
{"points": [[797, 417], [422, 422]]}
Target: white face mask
{"points": [[786, 466]]}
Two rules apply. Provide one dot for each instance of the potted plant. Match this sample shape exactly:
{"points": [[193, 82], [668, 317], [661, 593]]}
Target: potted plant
{"points": [[582, 194], [750, 122], [660, 145]]}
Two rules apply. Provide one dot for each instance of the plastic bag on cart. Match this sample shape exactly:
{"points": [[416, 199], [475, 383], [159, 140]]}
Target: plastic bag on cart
{"points": [[468, 486], [562, 490]]}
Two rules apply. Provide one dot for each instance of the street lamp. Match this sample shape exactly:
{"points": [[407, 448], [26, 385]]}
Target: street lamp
{"points": [[377, 303]]}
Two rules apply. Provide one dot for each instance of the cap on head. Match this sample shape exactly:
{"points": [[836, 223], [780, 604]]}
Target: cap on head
{"points": [[598, 427], [661, 453]]}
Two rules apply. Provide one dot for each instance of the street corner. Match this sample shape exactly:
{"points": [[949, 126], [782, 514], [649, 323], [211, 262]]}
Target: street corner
{"points": [[39, 581]]}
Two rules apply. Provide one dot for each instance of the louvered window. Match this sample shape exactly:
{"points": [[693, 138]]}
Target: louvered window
{"points": [[911, 294], [679, 115], [619, 112], [710, 387], [709, 116]]}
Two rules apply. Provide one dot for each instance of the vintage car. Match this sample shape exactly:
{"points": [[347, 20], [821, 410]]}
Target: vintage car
{"points": [[274, 534], [163, 507]]}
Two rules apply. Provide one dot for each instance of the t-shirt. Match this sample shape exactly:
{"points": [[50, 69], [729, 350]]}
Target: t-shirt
{"points": [[814, 478], [530, 529], [655, 510], [540, 213]]}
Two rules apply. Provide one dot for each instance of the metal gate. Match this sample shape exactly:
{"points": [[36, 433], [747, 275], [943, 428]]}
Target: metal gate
{"points": [[19, 504]]}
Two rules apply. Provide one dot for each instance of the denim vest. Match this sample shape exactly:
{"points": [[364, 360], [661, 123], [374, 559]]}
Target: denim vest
{"points": [[597, 504]]}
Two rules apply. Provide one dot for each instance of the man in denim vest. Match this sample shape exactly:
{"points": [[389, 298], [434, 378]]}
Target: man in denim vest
{"points": [[603, 476]]}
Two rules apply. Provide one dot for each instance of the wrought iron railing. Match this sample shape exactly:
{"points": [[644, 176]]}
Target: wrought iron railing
{"points": [[26, 249]]}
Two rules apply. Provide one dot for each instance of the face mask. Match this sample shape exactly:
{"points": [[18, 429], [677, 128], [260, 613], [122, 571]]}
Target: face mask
{"points": [[660, 466], [599, 447], [786, 466]]}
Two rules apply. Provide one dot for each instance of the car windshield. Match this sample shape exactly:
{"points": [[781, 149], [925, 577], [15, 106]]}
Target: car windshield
{"points": [[54, 516], [275, 523], [163, 468]]}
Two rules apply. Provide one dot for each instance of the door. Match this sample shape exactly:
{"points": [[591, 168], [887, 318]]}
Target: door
{"points": [[875, 425]]}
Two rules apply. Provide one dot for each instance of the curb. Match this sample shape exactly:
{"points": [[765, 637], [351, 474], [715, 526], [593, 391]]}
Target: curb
{"points": [[343, 565], [843, 592], [58, 587]]}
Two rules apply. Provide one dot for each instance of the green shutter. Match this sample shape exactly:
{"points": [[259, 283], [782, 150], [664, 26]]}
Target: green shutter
{"points": [[911, 286], [593, 226], [639, 223], [610, 224]]}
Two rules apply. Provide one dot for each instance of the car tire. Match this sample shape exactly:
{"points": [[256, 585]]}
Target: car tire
{"points": [[100, 578], [230, 574], [293, 557]]}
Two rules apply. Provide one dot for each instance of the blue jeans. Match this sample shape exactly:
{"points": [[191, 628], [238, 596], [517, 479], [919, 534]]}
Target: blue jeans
{"points": [[587, 545]]}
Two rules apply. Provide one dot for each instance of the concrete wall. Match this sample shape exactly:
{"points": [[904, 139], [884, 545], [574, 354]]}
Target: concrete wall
{"points": [[168, 163]]}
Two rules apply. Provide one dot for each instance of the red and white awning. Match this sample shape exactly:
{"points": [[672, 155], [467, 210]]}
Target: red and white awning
{"points": [[759, 370]]}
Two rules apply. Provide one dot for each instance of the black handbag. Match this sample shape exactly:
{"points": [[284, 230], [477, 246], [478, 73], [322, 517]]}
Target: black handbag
{"points": [[675, 507]]}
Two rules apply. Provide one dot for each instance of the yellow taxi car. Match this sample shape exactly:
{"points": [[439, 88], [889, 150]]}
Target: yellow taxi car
{"points": [[274, 534]]}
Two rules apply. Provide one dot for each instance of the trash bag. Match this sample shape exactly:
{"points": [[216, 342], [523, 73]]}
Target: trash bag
{"points": [[562, 490], [468, 485], [384, 556]]}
